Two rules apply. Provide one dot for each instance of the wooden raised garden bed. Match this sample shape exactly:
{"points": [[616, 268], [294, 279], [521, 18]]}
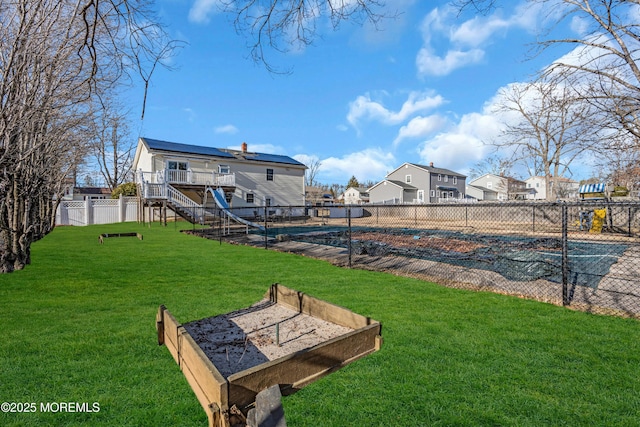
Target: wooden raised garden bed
{"points": [[288, 339]]}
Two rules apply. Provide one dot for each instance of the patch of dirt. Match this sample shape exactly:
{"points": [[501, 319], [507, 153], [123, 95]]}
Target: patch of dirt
{"points": [[263, 332]]}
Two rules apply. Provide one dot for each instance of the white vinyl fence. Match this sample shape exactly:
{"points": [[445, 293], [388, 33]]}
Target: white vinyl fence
{"points": [[97, 211]]}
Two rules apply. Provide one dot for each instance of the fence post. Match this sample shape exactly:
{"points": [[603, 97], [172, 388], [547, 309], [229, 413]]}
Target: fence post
{"points": [[120, 209], [266, 234], [565, 256], [466, 216], [349, 233], [533, 219], [87, 211]]}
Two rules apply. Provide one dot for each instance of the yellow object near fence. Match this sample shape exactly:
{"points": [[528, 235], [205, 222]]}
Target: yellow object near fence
{"points": [[598, 220]]}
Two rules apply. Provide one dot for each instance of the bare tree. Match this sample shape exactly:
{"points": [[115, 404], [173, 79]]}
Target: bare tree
{"points": [[604, 65], [547, 123], [313, 166], [57, 58], [478, 6], [112, 147], [283, 26], [622, 168], [495, 164]]}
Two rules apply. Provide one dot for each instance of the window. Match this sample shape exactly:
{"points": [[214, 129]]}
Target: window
{"points": [[446, 178], [177, 166], [224, 169], [268, 201], [249, 197], [489, 184], [407, 179], [269, 175], [451, 194], [455, 180], [439, 177], [433, 193], [438, 193]]}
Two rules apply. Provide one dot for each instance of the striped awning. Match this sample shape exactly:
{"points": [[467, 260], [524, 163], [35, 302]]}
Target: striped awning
{"points": [[592, 188]]}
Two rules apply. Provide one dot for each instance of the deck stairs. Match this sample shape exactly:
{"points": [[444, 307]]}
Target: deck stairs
{"points": [[187, 208]]}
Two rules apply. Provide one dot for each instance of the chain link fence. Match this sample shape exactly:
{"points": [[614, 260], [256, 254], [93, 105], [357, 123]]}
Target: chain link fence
{"points": [[585, 255]]}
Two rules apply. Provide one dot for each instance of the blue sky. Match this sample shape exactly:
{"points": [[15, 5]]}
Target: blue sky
{"points": [[361, 101]]}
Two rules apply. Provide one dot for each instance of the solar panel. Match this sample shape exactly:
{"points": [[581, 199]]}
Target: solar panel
{"points": [[272, 158], [175, 147]]}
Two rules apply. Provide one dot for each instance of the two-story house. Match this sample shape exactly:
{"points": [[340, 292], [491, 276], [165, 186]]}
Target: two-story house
{"points": [[498, 187], [561, 188], [414, 183], [169, 171], [356, 196]]}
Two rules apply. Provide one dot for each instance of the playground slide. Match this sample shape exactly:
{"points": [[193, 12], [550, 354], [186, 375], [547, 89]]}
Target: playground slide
{"points": [[218, 195]]}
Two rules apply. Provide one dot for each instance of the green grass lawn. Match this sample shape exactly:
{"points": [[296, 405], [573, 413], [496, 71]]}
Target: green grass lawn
{"points": [[78, 325]]}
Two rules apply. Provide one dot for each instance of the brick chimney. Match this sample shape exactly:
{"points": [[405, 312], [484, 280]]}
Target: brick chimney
{"points": [[244, 147]]}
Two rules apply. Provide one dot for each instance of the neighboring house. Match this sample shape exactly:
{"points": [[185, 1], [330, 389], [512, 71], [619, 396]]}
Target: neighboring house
{"points": [[83, 193], [481, 193], [538, 187], [317, 196], [249, 179], [565, 188], [414, 183], [497, 187], [355, 196]]}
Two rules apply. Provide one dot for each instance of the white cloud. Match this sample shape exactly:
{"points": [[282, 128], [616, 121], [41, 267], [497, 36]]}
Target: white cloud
{"points": [[477, 31], [579, 25], [202, 10], [464, 42], [306, 158], [420, 127], [227, 129], [464, 144], [369, 164], [366, 108], [429, 63]]}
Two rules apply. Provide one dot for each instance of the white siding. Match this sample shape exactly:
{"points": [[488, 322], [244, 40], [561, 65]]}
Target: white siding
{"points": [[286, 189]]}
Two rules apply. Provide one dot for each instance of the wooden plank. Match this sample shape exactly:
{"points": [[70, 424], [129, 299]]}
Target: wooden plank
{"points": [[311, 306], [160, 324], [205, 380], [171, 326], [299, 369]]}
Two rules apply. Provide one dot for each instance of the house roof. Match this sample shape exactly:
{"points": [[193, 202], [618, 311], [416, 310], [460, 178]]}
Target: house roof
{"points": [[404, 185], [557, 178], [509, 179], [481, 188], [174, 147], [446, 188], [92, 190], [360, 190], [442, 171]]}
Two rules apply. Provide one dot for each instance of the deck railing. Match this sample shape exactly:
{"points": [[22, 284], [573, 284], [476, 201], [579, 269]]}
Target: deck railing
{"points": [[172, 176]]}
